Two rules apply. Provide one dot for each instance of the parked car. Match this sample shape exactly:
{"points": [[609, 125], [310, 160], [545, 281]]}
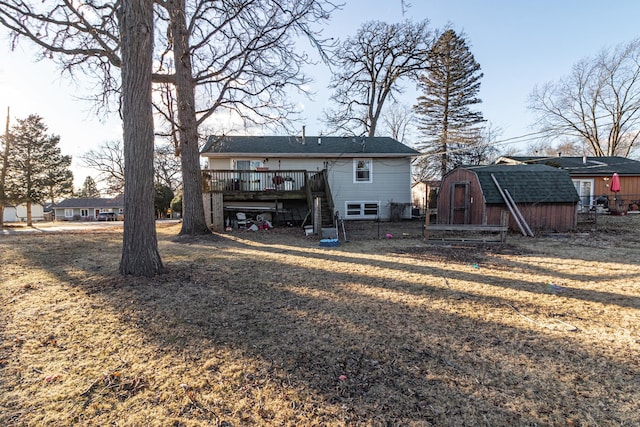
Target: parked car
{"points": [[107, 216]]}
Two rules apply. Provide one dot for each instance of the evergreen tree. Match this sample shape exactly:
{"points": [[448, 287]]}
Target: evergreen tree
{"points": [[33, 156], [59, 178], [89, 189], [450, 87], [162, 199]]}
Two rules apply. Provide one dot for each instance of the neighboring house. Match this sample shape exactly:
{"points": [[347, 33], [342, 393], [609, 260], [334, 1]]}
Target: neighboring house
{"points": [[544, 195], [18, 213], [357, 177], [592, 176], [424, 195], [87, 209]]}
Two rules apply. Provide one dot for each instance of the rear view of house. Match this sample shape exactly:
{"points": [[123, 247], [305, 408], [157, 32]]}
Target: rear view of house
{"points": [[286, 176]]}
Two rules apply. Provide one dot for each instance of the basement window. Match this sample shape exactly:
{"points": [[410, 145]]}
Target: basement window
{"points": [[361, 210]]}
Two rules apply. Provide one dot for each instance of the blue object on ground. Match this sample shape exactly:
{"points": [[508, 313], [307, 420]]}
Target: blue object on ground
{"points": [[329, 242]]}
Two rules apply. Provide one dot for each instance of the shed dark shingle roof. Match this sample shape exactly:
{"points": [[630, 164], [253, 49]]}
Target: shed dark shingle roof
{"points": [[526, 183], [312, 146]]}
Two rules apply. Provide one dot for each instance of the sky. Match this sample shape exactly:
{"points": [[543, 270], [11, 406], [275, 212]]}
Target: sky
{"points": [[518, 44]]}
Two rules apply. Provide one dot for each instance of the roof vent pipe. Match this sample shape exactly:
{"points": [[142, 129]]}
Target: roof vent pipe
{"points": [[319, 140], [584, 160], [303, 133]]}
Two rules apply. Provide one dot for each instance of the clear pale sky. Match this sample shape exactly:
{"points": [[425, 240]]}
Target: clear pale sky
{"points": [[517, 43]]}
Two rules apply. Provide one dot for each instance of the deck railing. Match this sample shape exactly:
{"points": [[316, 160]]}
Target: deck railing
{"points": [[256, 180]]}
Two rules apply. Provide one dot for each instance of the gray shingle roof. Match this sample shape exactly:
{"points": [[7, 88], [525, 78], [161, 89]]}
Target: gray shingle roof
{"points": [[526, 183], [87, 203], [291, 146], [588, 166]]}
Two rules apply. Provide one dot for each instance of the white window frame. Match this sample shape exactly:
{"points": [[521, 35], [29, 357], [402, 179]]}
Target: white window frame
{"points": [[68, 213], [356, 169], [84, 213], [363, 209]]}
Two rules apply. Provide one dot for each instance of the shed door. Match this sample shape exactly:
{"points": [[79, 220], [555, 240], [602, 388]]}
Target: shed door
{"points": [[459, 203]]}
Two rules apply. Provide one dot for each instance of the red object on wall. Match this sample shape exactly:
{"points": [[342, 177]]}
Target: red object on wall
{"points": [[615, 183]]}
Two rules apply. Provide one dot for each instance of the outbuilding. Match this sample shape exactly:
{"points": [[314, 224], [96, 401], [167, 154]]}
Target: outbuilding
{"points": [[475, 195]]}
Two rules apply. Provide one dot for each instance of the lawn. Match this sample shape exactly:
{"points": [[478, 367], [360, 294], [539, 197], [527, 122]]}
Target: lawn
{"points": [[269, 328]]}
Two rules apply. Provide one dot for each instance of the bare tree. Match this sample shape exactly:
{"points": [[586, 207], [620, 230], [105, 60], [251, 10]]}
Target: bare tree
{"points": [[167, 166], [239, 56], [598, 104], [372, 65], [397, 120], [543, 147], [108, 161]]}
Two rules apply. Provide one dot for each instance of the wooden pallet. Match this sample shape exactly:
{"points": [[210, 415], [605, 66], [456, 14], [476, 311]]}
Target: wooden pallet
{"points": [[467, 229]]}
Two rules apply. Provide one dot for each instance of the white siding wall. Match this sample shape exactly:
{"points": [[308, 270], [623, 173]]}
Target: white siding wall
{"points": [[390, 182], [19, 213], [9, 214]]}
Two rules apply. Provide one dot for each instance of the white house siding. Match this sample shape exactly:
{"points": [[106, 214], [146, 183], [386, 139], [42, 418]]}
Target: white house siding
{"points": [[390, 183], [273, 164]]}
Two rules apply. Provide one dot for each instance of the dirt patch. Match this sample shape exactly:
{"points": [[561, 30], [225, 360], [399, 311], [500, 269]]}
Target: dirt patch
{"points": [[269, 328]]}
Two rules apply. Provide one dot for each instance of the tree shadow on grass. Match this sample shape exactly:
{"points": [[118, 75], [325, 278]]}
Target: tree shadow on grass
{"points": [[369, 350]]}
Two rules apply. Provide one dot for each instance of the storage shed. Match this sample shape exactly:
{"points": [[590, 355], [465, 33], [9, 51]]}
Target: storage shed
{"points": [[545, 196]]}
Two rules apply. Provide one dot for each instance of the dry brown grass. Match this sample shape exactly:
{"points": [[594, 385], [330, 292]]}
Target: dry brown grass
{"points": [[271, 329]]}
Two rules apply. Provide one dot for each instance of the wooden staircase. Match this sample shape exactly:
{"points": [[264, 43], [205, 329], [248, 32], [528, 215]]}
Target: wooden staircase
{"points": [[319, 188]]}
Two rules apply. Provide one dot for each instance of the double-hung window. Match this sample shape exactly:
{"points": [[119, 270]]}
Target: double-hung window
{"points": [[362, 170]]}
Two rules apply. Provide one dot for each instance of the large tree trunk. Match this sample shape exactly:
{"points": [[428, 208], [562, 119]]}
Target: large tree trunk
{"points": [[3, 171], [29, 215], [193, 220], [140, 255]]}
